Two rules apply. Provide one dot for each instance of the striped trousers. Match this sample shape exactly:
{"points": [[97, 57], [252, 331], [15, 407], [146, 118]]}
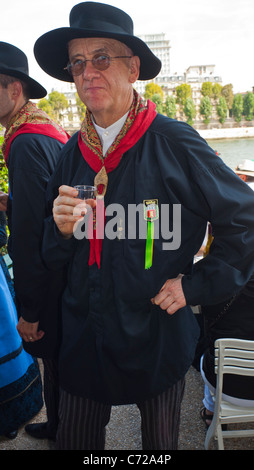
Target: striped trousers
{"points": [[82, 421]]}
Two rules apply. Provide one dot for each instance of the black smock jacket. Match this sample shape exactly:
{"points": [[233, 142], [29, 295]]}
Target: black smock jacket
{"points": [[117, 347], [32, 159]]}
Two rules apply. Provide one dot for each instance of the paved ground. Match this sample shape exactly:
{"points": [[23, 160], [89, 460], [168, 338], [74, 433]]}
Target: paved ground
{"points": [[123, 431]]}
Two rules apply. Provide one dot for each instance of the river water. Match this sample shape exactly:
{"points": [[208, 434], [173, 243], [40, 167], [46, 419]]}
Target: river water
{"points": [[234, 151]]}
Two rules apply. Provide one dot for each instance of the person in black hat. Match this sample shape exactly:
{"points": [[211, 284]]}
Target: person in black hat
{"points": [[32, 142], [129, 335]]}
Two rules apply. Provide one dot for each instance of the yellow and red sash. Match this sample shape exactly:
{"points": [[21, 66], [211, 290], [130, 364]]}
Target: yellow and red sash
{"points": [[31, 120]]}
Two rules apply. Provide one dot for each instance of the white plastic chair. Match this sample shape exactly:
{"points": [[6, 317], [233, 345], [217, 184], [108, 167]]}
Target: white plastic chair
{"points": [[232, 356]]}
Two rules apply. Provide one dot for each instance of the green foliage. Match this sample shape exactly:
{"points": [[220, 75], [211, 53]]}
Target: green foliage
{"points": [[152, 89], [58, 101], [157, 99], [207, 89], [46, 107], [206, 109], [217, 87], [182, 93], [3, 171], [189, 110], [248, 106], [227, 92], [237, 107], [53, 106], [81, 107], [170, 107], [222, 109]]}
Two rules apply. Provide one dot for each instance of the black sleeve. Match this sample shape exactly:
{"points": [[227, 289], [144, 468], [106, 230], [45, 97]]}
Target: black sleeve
{"points": [[31, 163], [209, 189], [3, 232], [56, 250], [228, 204]]}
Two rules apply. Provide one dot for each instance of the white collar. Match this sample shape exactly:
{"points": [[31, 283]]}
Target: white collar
{"points": [[107, 135]]}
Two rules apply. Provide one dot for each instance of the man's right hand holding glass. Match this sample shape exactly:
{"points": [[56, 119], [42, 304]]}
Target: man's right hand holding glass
{"points": [[68, 210]]}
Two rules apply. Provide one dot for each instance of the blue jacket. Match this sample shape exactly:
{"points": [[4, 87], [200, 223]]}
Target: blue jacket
{"points": [[117, 347]]}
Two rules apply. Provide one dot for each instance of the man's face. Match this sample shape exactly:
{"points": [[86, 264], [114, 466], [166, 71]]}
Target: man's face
{"points": [[107, 94], [6, 105]]}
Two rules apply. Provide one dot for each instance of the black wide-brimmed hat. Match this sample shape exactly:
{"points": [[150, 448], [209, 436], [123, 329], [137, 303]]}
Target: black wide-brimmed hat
{"points": [[13, 62], [90, 20]]}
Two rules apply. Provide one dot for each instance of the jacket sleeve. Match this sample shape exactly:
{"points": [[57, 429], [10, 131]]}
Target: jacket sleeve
{"points": [[29, 171], [211, 190], [3, 232], [230, 203], [56, 250]]}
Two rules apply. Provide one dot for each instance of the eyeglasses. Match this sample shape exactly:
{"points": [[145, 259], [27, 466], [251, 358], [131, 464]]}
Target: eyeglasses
{"points": [[100, 62]]}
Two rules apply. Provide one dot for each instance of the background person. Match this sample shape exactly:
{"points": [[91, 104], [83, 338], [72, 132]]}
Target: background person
{"points": [[32, 142]]}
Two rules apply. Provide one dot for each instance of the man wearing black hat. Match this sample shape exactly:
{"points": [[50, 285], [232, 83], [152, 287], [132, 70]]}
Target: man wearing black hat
{"points": [[129, 335], [31, 147]]}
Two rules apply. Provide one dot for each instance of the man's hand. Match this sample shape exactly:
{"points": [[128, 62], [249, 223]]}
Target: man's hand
{"points": [[29, 331], [3, 201], [68, 210], [171, 296]]}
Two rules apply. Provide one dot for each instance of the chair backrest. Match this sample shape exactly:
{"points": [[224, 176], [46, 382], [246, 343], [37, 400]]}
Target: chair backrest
{"points": [[233, 356]]}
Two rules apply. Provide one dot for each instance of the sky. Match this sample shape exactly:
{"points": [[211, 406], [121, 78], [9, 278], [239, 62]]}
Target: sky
{"points": [[201, 32]]}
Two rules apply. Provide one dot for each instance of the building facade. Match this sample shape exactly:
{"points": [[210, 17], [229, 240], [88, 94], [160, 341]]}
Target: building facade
{"points": [[195, 75], [70, 119], [160, 46]]}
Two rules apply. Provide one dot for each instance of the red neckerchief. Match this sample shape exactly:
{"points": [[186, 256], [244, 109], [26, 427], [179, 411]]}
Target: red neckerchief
{"points": [[140, 117], [31, 120]]}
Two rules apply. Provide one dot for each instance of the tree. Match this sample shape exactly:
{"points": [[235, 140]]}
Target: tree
{"points": [[58, 102], [46, 107], [53, 106], [190, 110], [237, 107], [157, 99], [206, 109], [170, 106], [81, 107], [182, 93], [248, 106], [207, 89], [3, 171], [227, 92], [222, 109], [217, 87], [152, 89]]}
